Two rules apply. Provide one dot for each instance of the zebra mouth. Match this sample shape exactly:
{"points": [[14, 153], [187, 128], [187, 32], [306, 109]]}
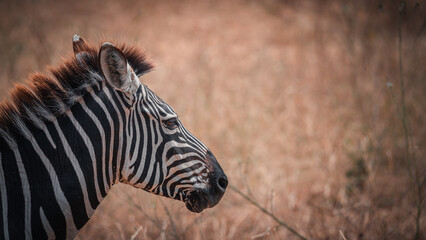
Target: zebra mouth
{"points": [[196, 201]]}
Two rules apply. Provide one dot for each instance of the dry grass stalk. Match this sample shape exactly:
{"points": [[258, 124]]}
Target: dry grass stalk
{"points": [[264, 210]]}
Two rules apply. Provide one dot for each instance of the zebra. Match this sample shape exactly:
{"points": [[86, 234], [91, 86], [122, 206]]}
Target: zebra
{"points": [[66, 139]]}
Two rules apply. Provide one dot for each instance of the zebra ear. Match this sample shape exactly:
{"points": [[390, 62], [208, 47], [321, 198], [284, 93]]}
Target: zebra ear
{"points": [[78, 44], [80, 48], [116, 70]]}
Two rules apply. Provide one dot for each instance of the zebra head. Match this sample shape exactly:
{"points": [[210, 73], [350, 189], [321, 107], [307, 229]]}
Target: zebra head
{"points": [[161, 155]]}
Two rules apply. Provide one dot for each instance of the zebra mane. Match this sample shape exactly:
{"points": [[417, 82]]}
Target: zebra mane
{"points": [[44, 97]]}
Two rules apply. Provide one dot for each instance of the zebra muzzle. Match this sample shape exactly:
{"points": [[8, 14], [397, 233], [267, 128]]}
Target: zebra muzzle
{"points": [[198, 199]]}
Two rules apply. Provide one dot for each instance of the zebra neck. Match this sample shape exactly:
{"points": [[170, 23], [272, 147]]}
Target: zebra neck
{"points": [[70, 163]]}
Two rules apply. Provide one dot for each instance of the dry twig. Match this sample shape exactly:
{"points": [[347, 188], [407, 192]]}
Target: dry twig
{"points": [[264, 210]]}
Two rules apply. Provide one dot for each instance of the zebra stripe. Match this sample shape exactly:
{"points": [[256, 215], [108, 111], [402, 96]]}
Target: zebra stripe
{"points": [[4, 201], [120, 129], [89, 144], [46, 225], [111, 124], [25, 190], [59, 194], [76, 166], [102, 133]]}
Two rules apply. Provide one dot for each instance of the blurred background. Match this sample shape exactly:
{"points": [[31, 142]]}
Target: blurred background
{"points": [[303, 103]]}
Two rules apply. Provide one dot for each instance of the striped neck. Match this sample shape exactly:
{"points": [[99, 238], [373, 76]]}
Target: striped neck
{"points": [[73, 159]]}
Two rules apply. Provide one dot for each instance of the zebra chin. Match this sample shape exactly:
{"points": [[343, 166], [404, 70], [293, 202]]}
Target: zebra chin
{"points": [[196, 201]]}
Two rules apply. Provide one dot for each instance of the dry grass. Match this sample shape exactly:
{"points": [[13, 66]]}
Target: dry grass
{"points": [[291, 97]]}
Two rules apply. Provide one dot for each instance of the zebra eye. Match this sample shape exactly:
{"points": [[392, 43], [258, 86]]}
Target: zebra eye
{"points": [[171, 123]]}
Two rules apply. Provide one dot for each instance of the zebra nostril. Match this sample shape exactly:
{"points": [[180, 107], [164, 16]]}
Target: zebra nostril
{"points": [[222, 183]]}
